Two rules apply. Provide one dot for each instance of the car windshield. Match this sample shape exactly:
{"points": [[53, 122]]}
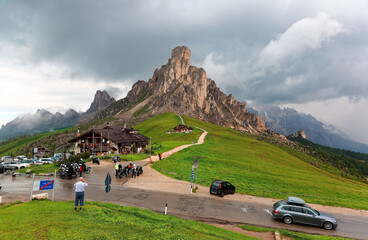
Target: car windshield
{"points": [[314, 211], [216, 184]]}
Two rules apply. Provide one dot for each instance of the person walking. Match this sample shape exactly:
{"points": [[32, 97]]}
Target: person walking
{"points": [[134, 173], [79, 193], [80, 170], [117, 168]]}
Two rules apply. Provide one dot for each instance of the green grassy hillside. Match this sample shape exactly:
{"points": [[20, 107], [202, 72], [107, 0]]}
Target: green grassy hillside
{"points": [[261, 169], [254, 167], [20, 145], [57, 220], [156, 128]]}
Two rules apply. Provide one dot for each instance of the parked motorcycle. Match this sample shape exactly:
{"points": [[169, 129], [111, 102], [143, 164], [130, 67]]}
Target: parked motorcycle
{"points": [[96, 160]]}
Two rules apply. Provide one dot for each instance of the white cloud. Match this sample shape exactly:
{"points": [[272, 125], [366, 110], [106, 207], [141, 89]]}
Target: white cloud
{"points": [[304, 35]]}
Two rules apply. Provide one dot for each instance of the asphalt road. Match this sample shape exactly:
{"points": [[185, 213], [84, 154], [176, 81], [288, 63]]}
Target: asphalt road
{"points": [[207, 209]]}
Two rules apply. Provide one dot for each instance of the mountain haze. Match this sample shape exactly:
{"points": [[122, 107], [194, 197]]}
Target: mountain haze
{"points": [[41, 121], [45, 121], [288, 121]]}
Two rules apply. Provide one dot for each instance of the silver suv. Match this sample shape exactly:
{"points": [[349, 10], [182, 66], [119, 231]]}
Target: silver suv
{"points": [[294, 210]]}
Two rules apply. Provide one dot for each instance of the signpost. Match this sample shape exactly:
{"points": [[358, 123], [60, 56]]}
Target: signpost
{"points": [[191, 181], [43, 185], [195, 166], [107, 184]]}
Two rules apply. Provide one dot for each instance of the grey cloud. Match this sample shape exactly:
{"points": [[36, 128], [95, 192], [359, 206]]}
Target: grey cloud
{"points": [[115, 40]]}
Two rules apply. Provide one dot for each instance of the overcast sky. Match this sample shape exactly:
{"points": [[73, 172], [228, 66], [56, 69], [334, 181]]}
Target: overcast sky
{"points": [[308, 55]]}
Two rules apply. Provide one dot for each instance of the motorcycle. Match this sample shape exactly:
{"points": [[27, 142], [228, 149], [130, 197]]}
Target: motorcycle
{"points": [[96, 160]]}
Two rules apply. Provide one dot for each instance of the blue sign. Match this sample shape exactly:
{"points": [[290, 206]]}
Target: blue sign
{"points": [[192, 175], [46, 184]]}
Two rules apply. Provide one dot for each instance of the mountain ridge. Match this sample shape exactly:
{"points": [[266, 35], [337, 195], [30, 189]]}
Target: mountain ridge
{"points": [[288, 121], [45, 121]]}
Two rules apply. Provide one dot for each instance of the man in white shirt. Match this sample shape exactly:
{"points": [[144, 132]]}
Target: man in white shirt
{"points": [[79, 193]]}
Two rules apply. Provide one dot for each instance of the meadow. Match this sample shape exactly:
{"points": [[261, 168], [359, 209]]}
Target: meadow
{"points": [[261, 169], [57, 220]]}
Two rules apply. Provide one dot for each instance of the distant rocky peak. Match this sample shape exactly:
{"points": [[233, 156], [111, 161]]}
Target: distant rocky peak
{"points": [[300, 133], [101, 101]]}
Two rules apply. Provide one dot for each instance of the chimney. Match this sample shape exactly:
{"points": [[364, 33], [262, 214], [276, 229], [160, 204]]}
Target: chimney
{"points": [[108, 123], [78, 133]]}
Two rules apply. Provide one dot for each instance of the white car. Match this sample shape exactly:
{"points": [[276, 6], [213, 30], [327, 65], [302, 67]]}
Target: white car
{"points": [[6, 158], [17, 165], [44, 161]]}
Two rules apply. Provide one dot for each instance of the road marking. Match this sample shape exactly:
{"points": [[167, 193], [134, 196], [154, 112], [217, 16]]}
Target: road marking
{"points": [[244, 209], [267, 211]]}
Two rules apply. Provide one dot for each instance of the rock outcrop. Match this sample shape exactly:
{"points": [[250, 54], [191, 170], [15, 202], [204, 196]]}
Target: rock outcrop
{"points": [[101, 101], [298, 134], [180, 87]]}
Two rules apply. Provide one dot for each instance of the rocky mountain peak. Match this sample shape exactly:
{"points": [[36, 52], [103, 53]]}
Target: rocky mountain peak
{"points": [[300, 133], [101, 101], [180, 54], [180, 87]]}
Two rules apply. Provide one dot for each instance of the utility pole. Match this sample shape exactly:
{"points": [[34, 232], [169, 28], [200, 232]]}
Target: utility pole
{"points": [[93, 143], [150, 150]]}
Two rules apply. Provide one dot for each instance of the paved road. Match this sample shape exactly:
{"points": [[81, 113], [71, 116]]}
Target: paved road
{"points": [[186, 206]]}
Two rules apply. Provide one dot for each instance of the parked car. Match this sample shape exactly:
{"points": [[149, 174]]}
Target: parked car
{"points": [[14, 165], [20, 158], [46, 161], [2, 168], [30, 161], [6, 158], [295, 210], [221, 188], [54, 159]]}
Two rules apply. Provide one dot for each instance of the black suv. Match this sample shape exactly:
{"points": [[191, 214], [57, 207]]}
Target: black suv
{"points": [[221, 188]]}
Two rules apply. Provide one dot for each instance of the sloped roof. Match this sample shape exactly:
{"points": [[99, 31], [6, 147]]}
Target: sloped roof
{"points": [[116, 134]]}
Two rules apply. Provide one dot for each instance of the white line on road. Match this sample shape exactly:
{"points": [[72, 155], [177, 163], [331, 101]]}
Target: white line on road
{"points": [[267, 211], [244, 209]]}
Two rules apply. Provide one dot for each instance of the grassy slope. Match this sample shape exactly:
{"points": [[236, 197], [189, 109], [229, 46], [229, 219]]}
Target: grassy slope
{"points": [[57, 220], [156, 128], [13, 146], [252, 165]]}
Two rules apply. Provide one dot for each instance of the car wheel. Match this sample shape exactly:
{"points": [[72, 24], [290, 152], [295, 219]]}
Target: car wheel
{"points": [[328, 225], [222, 194], [21, 167], [288, 220]]}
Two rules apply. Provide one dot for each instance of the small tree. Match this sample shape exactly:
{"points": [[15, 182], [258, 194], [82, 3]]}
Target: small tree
{"points": [[134, 148]]}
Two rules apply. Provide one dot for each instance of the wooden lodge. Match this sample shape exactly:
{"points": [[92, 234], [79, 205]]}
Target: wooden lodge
{"points": [[181, 129], [109, 140]]}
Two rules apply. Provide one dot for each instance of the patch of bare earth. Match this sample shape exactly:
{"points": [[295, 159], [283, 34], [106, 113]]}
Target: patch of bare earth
{"points": [[260, 235]]}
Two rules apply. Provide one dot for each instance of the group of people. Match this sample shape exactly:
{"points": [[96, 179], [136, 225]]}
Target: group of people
{"points": [[133, 168], [82, 184]]}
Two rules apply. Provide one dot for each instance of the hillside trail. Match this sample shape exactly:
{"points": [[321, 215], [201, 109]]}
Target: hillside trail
{"points": [[154, 180]]}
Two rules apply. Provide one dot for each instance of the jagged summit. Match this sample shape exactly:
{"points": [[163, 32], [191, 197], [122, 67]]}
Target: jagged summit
{"points": [[180, 87], [180, 54], [101, 100]]}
